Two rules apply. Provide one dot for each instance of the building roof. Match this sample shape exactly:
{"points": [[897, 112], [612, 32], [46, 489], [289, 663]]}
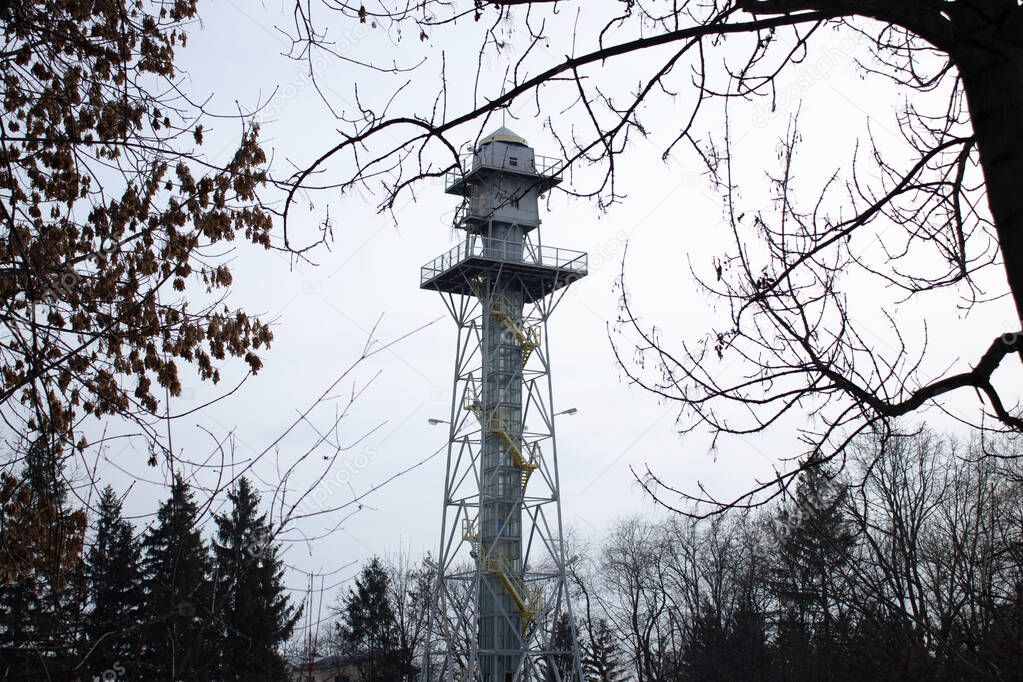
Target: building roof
{"points": [[334, 662], [503, 134]]}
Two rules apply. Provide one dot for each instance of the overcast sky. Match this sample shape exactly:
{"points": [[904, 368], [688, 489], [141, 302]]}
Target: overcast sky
{"points": [[323, 314]]}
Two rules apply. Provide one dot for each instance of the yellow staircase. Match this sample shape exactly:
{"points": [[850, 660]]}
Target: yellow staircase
{"points": [[479, 287], [470, 534], [527, 601], [471, 400], [526, 462], [528, 337]]}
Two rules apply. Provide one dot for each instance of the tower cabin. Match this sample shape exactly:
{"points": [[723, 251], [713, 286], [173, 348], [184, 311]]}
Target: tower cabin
{"points": [[501, 182]]}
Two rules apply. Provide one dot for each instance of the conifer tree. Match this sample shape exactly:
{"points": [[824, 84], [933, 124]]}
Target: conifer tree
{"points": [[729, 646], [559, 663], [41, 541], [602, 656], [113, 581], [178, 594], [255, 616], [815, 542], [368, 630]]}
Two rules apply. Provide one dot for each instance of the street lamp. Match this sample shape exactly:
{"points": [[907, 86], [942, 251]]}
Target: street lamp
{"points": [[569, 411], [433, 421]]}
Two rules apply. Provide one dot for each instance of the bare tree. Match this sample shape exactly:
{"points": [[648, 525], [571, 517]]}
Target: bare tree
{"points": [[410, 601], [905, 567], [933, 550], [633, 599], [946, 197]]}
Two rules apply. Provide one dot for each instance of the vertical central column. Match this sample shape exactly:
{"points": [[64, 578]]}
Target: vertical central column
{"points": [[502, 590]]}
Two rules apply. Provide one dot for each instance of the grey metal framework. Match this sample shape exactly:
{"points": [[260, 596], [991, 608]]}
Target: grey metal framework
{"points": [[501, 570]]}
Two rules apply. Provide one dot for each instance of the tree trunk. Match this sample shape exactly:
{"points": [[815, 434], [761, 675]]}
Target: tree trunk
{"points": [[989, 57]]}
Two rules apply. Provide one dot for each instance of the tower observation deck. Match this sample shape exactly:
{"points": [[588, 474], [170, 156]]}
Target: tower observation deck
{"points": [[501, 586]]}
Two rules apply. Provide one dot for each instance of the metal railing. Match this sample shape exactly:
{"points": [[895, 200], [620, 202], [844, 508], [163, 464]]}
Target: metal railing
{"points": [[548, 167], [476, 246], [471, 209]]}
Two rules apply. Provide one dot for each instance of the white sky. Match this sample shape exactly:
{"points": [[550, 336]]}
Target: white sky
{"points": [[323, 314]]}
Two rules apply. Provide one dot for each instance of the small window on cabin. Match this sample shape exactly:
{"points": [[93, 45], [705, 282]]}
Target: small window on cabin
{"points": [[513, 161], [515, 202]]}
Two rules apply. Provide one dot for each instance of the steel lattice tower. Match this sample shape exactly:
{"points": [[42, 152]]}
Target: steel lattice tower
{"points": [[501, 571]]}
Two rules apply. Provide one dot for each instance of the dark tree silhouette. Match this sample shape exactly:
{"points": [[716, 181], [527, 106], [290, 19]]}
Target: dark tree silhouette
{"points": [[602, 658], [558, 665], [114, 588], [367, 630], [736, 649], [41, 542], [255, 618], [409, 593], [177, 635], [815, 542]]}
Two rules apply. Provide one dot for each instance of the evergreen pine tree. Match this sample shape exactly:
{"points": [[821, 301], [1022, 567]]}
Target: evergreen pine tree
{"points": [[255, 616], [41, 541], [178, 596], [113, 581], [816, 540], [732, 649], [368, 630], [559, 663], [602, 655]]}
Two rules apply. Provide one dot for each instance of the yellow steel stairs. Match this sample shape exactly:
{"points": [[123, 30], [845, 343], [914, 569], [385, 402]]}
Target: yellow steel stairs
{"points": [[527, 601], [528, 336], [527, 462]]}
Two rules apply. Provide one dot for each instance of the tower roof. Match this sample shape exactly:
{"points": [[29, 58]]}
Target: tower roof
{"points": [[503, 134]]}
